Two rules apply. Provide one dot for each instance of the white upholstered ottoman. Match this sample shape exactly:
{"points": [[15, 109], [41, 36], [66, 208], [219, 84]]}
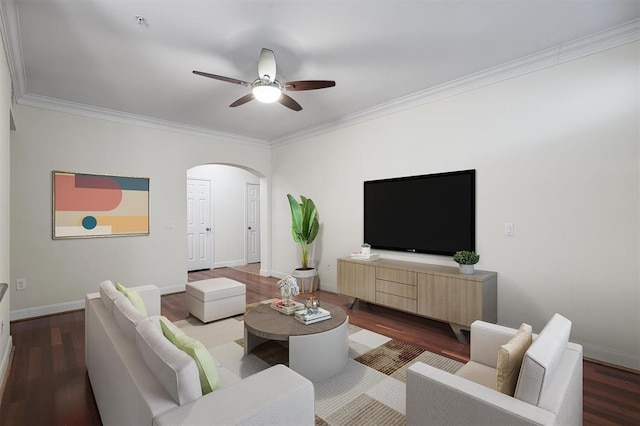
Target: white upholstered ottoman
{"points": [[209, 300]]}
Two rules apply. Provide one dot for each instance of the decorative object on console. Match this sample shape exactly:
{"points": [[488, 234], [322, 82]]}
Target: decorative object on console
{"points": [[361, 256], [304, 230], [365, 249], [466, 260]]}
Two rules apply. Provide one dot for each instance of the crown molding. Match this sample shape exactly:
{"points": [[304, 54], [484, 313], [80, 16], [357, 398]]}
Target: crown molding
{"points": [[10, 31], [133, 119], [585, 46]]}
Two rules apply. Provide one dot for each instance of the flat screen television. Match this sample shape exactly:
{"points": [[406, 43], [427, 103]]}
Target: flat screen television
{"points": [[433, 213]]}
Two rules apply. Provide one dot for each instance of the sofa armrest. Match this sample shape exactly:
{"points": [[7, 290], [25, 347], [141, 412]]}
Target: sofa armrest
{"points": [[275, 396], [150, 295], [435, 397], [486, 339]]}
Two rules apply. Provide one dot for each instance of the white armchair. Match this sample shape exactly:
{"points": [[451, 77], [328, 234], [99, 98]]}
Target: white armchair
{"points": [[548, 390]]}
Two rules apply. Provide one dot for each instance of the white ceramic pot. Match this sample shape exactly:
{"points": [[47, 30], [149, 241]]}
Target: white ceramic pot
{"points": [[307, 279], [466, 269], [365, 250]]}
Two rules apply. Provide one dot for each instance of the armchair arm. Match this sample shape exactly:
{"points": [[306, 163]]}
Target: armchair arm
{"points": [[486, 338], [435, 397], [150, 295], [275, 396]]}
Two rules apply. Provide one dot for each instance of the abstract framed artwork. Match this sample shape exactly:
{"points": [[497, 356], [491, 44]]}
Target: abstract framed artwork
{"points": [[89, 205]]}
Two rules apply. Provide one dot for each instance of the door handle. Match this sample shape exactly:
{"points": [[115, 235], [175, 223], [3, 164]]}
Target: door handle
{"points": [[249, 228], [208, 229]]}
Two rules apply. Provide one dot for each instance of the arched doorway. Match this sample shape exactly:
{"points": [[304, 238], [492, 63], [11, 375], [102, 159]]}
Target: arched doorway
{"points": [[223, 217]]}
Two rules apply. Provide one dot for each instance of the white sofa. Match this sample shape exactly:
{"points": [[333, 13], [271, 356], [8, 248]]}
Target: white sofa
{"points": [[137, 379], [548, 389]]}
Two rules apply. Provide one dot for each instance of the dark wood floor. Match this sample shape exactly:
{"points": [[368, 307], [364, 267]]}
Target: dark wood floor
{"points": [[48, 385]]}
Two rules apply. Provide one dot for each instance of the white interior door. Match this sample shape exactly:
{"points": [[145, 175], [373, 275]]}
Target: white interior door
{"points": [[199, 226], [253, 223]]}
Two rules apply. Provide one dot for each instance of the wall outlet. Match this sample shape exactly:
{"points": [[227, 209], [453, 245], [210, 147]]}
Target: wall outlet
{"points": [[21, 284]]}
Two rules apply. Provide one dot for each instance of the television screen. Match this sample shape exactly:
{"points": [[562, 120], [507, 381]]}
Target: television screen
{"points": [[432, 214]]}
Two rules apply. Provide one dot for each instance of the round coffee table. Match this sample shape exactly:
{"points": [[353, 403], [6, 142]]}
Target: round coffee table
{"points": [[317, 351]]}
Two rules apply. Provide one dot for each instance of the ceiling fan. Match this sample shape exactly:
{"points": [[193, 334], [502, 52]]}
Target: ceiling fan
{"points": [[266, 88]]}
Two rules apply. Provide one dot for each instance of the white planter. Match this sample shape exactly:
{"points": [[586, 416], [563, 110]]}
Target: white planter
{"points": [[365, 250], [307, 279], [466, 269]]}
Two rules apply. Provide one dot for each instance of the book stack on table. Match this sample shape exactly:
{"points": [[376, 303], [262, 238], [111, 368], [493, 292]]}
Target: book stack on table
{"points": [[309, 317]]}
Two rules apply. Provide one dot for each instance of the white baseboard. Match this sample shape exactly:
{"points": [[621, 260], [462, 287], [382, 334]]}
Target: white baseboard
{"points": [[278, 274], [39, 311], [70, 306], [265, 273], [604, 355], [229, 263]]}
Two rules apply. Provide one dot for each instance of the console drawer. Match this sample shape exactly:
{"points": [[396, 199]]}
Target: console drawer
{"points": [[397, 302], [397, 289], [396, 275]]}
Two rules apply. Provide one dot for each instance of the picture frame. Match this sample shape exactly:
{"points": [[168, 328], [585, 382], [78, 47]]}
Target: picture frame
{"points": [[87, 205]]}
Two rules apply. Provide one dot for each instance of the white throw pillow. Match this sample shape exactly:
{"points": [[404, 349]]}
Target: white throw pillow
{"points": [[175, 370]]}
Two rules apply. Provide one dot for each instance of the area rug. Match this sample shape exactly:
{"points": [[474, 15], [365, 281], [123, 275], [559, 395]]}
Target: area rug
{"points": [[369, 390]]}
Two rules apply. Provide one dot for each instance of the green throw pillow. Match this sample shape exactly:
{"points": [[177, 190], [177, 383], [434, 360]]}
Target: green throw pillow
{"points": [[209, 380], [171, 334], [134, 298], [122, 289]]}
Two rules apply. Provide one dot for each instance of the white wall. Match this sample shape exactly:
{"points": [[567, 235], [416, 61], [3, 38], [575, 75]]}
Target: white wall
{"points": [[5, 106], [228, 193], [60, 272], [556, 153]]}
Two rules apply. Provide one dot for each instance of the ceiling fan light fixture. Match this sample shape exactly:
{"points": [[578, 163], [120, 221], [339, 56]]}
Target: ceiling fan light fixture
{"points": [[266, 92]]}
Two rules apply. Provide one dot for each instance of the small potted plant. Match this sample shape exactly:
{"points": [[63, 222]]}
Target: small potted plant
{"points": [[365, 249], [466, 259]]}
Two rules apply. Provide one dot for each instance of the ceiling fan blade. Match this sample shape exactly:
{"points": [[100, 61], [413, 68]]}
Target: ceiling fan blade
{"points": [[222, 78], [289, 102], [243, 100], [308, 84], [267, 65]]}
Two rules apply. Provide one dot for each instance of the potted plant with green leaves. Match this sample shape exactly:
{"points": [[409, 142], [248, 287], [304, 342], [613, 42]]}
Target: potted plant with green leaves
{"points": [[365, 249], [304, 230], [466, 259]]}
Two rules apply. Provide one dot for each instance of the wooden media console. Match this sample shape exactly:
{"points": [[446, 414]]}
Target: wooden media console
{"points": [[434, 291]]}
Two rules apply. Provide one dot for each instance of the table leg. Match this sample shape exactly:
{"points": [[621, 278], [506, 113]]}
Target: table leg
{"points": [[252, 341]]}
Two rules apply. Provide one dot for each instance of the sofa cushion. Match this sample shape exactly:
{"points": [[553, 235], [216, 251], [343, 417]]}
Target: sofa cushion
{"points": [[478, 373], [208, 373], [127, 317], [175, 370], [133, 297], [542, 359], [510, 357], [108, 293]]}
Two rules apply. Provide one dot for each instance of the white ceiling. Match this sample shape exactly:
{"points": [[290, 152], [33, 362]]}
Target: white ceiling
{"points": [[94, 55]]}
